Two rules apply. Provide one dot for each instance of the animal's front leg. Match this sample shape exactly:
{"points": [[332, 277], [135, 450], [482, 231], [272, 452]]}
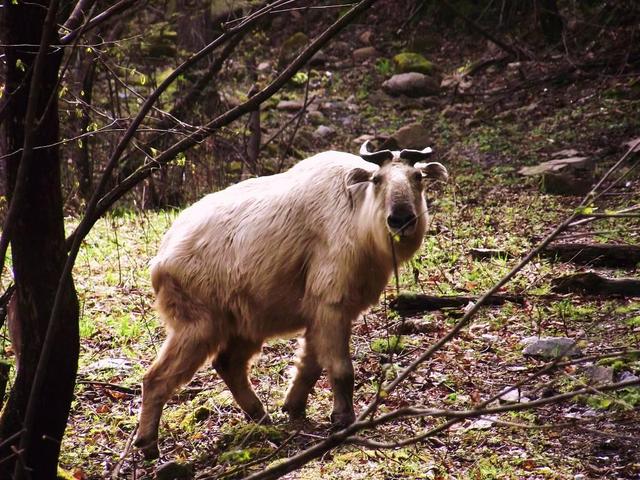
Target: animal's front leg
{"points": [[331, 334], [308, 371]]}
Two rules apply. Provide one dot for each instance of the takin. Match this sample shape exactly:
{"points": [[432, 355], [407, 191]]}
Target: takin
{"points": [[307, 250]]}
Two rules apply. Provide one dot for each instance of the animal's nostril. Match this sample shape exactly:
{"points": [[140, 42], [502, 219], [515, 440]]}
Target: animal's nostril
{"points": [[397, 221]]}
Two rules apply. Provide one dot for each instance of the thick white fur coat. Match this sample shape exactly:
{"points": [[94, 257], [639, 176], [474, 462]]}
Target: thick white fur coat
{"points": [[261, 258]]}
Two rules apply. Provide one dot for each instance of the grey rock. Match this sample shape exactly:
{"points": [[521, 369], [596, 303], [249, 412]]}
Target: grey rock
{"points": [[413, 327], [598, 375], [174, 471], [413, 136], [627, 377], [319, 59], [290, 105], [324, 132], [550, 347], [366, 36], [512, 395], [411, 84], [555, 166], [120, 364], [363, 138], [365, 53], [563, 176], [566, 153], [263, 66]]}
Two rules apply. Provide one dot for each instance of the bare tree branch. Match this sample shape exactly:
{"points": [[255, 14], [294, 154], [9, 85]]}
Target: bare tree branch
{"points": [[78, 15], [110, 12]]}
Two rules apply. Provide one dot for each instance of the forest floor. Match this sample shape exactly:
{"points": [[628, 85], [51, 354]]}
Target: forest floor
{"points": [[484, 139]]}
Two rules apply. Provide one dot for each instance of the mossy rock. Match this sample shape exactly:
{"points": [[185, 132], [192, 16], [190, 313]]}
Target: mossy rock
{"points": [[413, 62], [248, 433], [291, 47], [243, 455]]}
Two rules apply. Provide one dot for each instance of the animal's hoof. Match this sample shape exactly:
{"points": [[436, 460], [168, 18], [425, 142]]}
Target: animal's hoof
{"points": [[265, 419], [148, 448], [295, 413], [260, 417], [342, 419]]}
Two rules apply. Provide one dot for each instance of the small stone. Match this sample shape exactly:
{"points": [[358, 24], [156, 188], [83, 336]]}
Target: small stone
{"points": [[599, 375], [628, 377], [512, 395], [563, 176], [363, 138], [263, 66], [290, 105], [412, 136], [324, 132], [319, 59], [365, 37], [120, 364], [412, 327], [174, 471], [411, 84], [557, 165], [550, 347], [316, 117], [566, 153], [363, 54], [412, 62]]}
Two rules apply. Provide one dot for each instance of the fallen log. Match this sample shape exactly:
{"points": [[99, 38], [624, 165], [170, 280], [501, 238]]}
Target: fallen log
{"points": [[591, 283], [598, 254], [409, 304]]}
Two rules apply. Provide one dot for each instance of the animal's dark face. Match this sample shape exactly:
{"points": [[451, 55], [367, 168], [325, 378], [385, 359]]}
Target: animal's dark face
{"points": [[398, 190], [398, 187]]}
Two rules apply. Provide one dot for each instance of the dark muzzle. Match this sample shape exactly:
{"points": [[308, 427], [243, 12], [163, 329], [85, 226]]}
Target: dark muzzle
{"points": [[401, 220]]}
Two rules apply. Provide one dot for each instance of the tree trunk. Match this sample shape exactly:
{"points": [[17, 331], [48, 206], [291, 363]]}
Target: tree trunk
{"points": [[37, 249], [550, 21]]}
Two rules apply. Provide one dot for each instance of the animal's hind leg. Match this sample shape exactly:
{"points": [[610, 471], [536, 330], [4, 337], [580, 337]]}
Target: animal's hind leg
{"points": [[232, 364], [182, 353]]}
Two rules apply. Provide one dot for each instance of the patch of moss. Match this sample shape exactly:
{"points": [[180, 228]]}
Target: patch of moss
{"points": [[412, 62], [394, 343], [247, 433], [242, 455]]}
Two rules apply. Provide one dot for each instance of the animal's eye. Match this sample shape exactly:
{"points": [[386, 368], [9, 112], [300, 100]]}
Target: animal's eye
{"points": [[376, 180], [417, 176]]}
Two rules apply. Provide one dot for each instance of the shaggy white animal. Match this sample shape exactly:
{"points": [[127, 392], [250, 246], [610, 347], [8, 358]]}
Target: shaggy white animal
{"points": [[306, 250]]}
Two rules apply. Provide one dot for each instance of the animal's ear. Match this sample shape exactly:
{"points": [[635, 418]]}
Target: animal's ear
{"points": [[433, 170], [356, 182], [357, 175]]}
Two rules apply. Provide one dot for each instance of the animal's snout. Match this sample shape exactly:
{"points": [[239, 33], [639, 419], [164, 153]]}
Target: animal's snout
{"points": [[402, 219]]}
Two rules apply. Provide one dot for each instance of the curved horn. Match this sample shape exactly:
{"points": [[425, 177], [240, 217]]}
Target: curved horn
{"points": [[375, 157], [415, 155]]}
